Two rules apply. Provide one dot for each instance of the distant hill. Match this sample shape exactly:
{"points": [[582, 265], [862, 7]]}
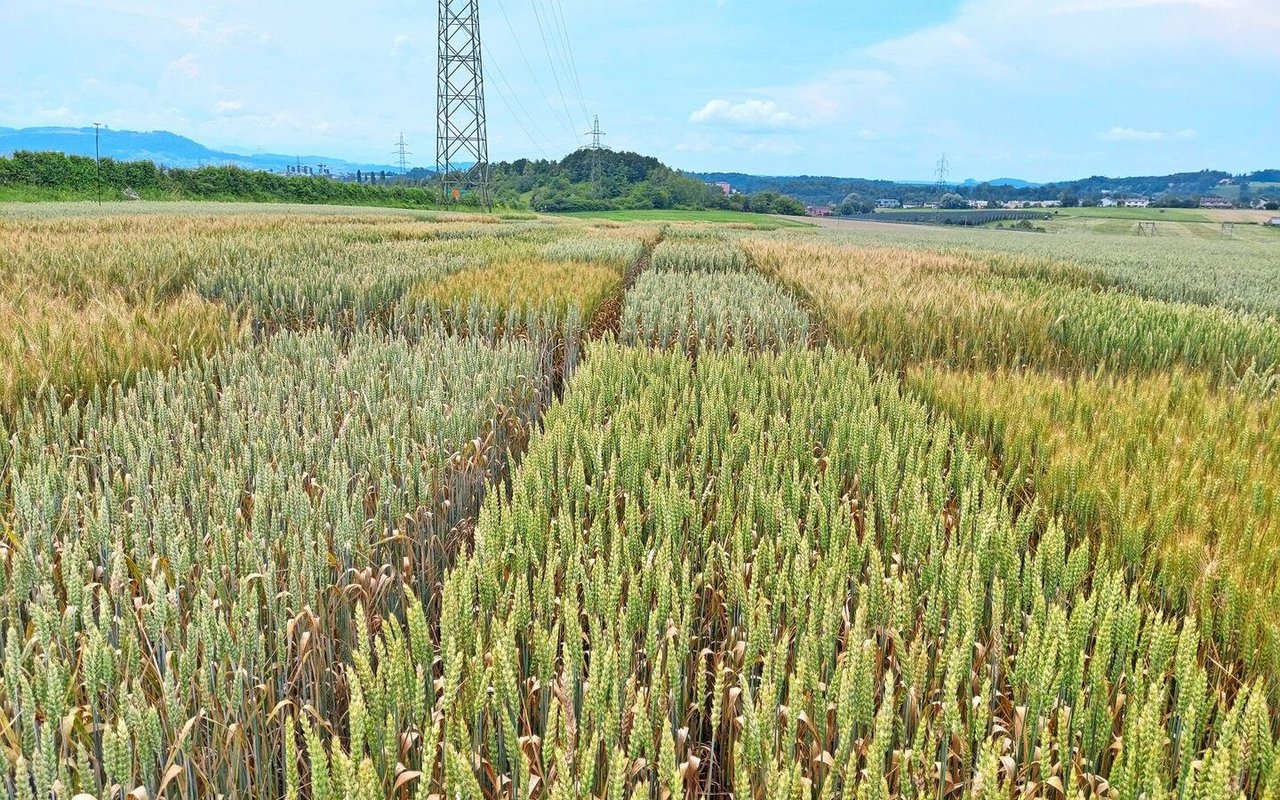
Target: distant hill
{"points": [[164, 148], [825, 190], [1016, 183], [617, 180]]}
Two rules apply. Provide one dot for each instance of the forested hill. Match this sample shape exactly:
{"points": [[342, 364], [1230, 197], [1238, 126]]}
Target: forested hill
{"points": [[621, 181]]}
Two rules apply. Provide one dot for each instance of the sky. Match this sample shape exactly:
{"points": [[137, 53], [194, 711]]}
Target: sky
{"points": [[1034, 89]]}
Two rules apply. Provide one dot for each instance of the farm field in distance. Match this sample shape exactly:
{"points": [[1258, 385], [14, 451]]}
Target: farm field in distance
{"points": [[317, 502], [1181, 222], [712, 215]]}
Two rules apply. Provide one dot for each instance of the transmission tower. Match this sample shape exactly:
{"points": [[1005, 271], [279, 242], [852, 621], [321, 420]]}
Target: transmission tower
{"points": [[402, 152], [595, 133], [942, 172], [462, 145]]}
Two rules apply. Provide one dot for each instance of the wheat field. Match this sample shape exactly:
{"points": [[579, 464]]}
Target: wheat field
{"points": [[331, 504]]}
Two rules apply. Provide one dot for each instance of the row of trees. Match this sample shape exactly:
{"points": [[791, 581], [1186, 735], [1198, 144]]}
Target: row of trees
{"points": [[582, 181], [79, 176]]}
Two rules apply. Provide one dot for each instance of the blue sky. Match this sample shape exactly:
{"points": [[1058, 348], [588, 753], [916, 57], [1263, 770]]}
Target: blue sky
{"points": [[1039, 89]]}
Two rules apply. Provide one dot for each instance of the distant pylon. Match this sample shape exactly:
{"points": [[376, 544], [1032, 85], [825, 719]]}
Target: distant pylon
{"points": [[462, 144], [595, 133], [942, 172], [402, 152]]}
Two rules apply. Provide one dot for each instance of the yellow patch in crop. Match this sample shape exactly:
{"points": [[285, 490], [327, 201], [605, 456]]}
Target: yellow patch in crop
{"points": [[528, 284]]}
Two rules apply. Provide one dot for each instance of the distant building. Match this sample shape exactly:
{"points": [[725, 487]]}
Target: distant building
{"points": [[1015, 204], [1125, 202], [820, 211], [979, 203], [933, 205], [887, 203], [911, 205], [724, 187], [1259, 203], [1216, 202], [1274, 222]]}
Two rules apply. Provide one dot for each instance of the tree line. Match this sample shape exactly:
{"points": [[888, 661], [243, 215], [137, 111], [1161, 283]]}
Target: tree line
{"points": [[582, 181], [77, 177]]}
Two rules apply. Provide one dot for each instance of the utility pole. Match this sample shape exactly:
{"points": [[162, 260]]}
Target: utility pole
{"points": [[402, 153], [97, 162], [942, 172], [595, 133], [462, 143]]}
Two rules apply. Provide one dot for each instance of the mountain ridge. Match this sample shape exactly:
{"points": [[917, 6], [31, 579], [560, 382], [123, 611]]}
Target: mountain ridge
{"points": [[165, 148]]}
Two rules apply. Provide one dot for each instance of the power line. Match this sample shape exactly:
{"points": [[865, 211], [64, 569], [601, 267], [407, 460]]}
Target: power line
{"points": [[516, 96], [550, 61], [563, 30], [530, 71]]}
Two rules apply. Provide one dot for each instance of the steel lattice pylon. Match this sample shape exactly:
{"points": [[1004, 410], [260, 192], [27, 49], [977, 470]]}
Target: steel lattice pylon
{"points": [[462, 144]]}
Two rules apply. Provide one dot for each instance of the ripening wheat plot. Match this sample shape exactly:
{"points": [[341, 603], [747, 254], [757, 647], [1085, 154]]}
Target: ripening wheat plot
{"points": [[581, 272], [904, 306], [1180, 478], [1237, 274], [89, 299]]}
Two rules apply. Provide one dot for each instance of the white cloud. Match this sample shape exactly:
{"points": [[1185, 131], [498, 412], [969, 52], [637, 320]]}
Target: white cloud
{"points": [[400, 43], [187, 66], [228, 106], [748, 115], [1121, 134]]}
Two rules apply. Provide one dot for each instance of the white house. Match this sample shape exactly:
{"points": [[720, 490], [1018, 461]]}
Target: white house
{"points": [[1274, 222], [1108, 202], [886, 203], [1136, 202]]}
